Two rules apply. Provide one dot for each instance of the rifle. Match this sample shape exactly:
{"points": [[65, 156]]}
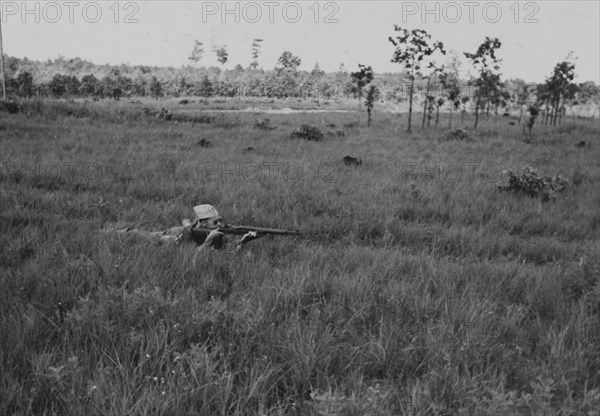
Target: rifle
{"points": [[260, 231], [200, 233]]}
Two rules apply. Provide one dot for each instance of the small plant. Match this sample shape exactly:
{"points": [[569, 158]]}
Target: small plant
{"points": [[360, 79], [264, 123], [204, 143], [458, 134], [336, 133], [10, 106], [372, 96], [308, 132], [535, 185]]}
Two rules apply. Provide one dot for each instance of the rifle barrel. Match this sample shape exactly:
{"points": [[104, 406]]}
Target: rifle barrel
{"points": [[243, 229]]}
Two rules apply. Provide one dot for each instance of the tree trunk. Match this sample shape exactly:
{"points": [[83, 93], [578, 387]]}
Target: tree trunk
{"points": [[450, 121], [496, 114], [368, 117], [556, 109], [2, 69], [359, 98], [561, 112], [437, 116], [476, 112], [410, 100], [425, 102], [520, 114]]}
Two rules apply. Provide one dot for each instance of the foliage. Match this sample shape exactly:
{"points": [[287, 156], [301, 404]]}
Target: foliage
{"points": [[132, 81], [57, 86], [89, 86], [531, 183], [25, 84], [360, 80], [256, 45], [372, 96], [155, 88], [205, 88], [487, 85], [413, 49], [263, 123], [222, 55], [197, 52], [458, 134], [452, 88], [287, 62], [455, 299], [312, 86], [558, 88], [308, 132]]}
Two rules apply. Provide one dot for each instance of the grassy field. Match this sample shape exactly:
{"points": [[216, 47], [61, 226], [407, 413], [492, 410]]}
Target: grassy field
{"points": [[417, 287]]}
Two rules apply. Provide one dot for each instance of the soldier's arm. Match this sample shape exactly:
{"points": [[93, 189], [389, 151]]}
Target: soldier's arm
{"points": [[215, 240], [246, 238]]}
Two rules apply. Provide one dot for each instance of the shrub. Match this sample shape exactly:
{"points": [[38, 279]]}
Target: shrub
{"points": [[336, 133], [534, 185], [263, 123], [10, 106], [458, 134], [308, 132]]}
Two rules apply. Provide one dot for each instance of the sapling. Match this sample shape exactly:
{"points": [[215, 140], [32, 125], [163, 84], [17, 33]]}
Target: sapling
{"points": [[360, 79], [372, 96], [412, 47]]}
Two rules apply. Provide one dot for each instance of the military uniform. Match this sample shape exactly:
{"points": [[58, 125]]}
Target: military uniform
{"points": [[203, 230]]}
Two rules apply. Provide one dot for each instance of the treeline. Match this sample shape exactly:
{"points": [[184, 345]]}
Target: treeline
{"points": [[73, 78], [69, 78]]}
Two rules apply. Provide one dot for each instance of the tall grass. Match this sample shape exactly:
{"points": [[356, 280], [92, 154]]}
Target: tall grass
{"points": [[454, 299]]}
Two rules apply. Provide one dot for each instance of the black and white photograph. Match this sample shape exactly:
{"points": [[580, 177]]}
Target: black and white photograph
{"points": [[303, 208]]}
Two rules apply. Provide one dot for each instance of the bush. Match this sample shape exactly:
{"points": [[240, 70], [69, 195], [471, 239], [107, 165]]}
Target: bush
{"points": [[10, 106], [534, 185], [263, 124], [458, 134], [308, 132], [336, 133]]}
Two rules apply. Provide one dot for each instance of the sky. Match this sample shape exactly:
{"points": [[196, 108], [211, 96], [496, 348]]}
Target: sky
{"points": [[534, 35]]}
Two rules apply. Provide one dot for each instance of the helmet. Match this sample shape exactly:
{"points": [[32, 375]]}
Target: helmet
{"points": [[208, 215]]}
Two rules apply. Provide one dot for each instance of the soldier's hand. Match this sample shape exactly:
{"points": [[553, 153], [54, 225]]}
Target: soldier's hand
{"points": [[215, 240]]}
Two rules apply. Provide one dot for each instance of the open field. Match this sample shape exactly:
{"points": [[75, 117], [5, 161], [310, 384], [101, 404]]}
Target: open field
{"points": [[417, 287]]}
